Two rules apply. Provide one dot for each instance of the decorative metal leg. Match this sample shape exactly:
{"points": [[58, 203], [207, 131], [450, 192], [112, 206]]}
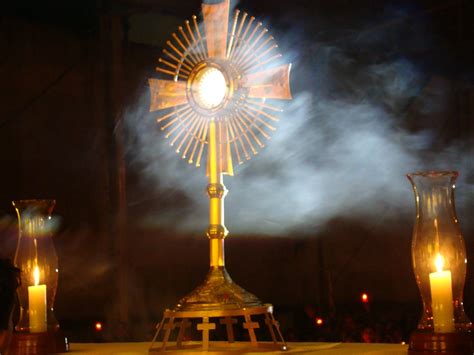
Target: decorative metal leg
{"points": [[168, 327], [228, 321], [185, 323], [251, 326], [269, 323], [205, 327], [277, 326], [158, 329]]}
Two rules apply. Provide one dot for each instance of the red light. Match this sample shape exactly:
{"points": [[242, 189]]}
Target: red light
{"points": [[98, 326], [365, 298], [319, 321]]}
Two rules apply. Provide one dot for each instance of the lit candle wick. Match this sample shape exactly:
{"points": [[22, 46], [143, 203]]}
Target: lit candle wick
{"points": [[439, 262], [36, 275]]}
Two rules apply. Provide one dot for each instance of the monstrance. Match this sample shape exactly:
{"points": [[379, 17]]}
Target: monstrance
{"points": [[219, 98]]}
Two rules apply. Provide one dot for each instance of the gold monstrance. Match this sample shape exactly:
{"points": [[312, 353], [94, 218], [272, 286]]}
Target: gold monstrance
{"points": [[218, 98]]}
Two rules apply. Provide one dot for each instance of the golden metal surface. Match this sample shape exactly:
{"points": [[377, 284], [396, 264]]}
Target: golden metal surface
{"points": [[211, 319], [241, 120], [231, 123], [272, 83], [265, 308], [216, 230], [166, 94], [244, 52], [217, 292], [215, 176], [216, 20]]}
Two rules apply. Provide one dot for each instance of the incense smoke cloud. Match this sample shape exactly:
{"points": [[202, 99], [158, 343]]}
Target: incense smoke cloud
{"points": [[341, 150]]}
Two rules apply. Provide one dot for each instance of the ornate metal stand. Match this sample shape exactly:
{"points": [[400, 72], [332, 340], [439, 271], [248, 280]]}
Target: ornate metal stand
{"points": [[219, 98], [207, 321]]}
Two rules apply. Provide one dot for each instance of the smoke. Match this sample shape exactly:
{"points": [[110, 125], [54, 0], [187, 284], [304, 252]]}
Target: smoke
{"points": [[342, 149]]}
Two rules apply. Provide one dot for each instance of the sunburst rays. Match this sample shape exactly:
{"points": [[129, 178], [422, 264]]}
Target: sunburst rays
{"points": [[245, 47]]}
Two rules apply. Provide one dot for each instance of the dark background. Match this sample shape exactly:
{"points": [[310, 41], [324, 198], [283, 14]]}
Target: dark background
{"points": [[71, 73]]}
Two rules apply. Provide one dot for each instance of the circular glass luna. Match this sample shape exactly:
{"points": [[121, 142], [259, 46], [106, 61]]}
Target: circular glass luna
{"points": [[209, 88]]}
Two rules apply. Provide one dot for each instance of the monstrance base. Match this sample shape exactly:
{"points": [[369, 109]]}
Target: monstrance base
{"points": [[49, 342], [204, 323], [220, 300], [217, 292], [429, 343]]}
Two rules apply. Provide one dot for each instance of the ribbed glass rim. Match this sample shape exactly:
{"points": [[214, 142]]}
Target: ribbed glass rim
{"points": [[35, 204], [434, 173]]}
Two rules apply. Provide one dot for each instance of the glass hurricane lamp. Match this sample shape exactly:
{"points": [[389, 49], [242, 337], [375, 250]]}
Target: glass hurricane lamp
{"points": [[439, 263]]}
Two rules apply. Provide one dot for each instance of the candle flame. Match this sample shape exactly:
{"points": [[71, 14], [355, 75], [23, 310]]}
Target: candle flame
{"points": [[36, 275], [439, 263]]}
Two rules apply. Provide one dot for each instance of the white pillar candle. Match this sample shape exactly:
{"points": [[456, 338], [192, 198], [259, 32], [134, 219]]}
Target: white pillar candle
{"points": [[37, 305], [442, 298]]}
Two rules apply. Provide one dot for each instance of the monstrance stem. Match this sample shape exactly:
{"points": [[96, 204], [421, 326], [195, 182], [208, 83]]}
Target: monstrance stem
{"points": [[216, 191]]}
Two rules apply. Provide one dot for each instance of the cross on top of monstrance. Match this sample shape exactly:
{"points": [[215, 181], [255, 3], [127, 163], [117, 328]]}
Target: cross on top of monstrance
{"points": [[222, 79]]}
